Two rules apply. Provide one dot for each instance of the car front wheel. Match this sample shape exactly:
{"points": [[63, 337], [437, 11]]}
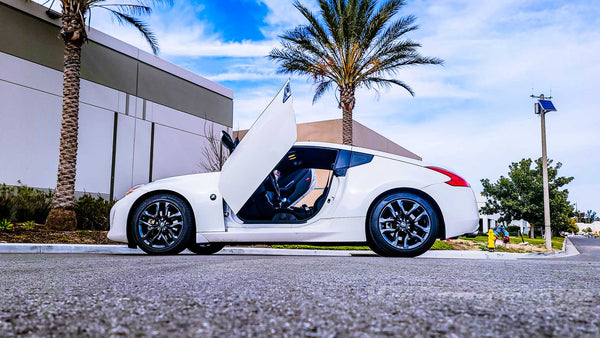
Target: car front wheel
{"points": [[163, 224], [402, 225]]}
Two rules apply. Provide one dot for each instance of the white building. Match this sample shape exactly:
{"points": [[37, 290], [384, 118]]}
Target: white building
{"points": [[491, 221], [141, 118], [595, 226]]}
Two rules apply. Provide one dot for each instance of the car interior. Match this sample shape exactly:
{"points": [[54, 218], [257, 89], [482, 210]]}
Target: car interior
{"points": [[295, 190]]}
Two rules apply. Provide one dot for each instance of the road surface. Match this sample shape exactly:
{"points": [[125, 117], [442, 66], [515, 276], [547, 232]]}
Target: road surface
{"points": [[224, 295]]}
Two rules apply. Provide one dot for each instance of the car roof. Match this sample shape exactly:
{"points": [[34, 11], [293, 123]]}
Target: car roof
{"points": [[362, 150]]}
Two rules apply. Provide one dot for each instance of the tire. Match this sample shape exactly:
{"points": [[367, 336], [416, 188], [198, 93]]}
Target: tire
{"points": [[402, 225], [163, 224], [205, 248]]}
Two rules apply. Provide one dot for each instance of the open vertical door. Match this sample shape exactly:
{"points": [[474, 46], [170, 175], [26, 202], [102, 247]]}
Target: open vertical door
{"points": [[268, 140]]}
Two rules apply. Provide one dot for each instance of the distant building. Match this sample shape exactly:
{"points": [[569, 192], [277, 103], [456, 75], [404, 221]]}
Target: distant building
{"points": [[491, 221], [595, 226], [331, 131], [141, 117]]}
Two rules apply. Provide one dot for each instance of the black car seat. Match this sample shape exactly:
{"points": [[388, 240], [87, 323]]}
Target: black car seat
{"points": [[295, 186]]}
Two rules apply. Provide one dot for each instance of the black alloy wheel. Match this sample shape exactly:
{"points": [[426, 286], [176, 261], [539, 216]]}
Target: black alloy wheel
{"points": [[402, 224], [163, 224]]}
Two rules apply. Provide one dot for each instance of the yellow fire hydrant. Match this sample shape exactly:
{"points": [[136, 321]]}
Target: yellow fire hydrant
{"points": [[491, 240]]}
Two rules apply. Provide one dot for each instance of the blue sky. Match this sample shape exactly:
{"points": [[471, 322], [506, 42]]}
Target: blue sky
{"points": [[473, 115]]}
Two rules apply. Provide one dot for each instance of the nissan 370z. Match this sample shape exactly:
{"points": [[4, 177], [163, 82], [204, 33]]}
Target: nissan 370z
{"points": [[273, 189]]}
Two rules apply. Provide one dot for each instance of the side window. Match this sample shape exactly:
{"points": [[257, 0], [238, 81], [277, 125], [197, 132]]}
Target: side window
{"points": [[348, 159]]}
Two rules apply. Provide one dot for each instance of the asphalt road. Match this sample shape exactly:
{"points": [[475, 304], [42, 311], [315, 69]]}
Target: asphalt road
{"points": [[589, 249], [100, 295]]}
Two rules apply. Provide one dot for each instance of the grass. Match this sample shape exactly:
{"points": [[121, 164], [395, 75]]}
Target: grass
{"points": [[438, 245], [315, 247], [441, 245], [479, 241], [83, 233], [557, 242]]}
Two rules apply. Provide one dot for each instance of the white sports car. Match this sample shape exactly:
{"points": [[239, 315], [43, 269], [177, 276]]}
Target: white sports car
{"points": [[274, 190]]}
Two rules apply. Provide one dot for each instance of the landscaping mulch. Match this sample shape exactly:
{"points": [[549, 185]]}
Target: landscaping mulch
{"points": [[41, 234]]}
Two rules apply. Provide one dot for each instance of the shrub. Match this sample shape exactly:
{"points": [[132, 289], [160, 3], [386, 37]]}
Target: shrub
{"points": [[5, 225], [6, 201], [513, 228], [31, 204], [93, 213], [29, 225]]}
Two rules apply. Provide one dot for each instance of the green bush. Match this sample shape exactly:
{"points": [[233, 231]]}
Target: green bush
{"points": [[22, 203], [513, 228], [5, 225], [29, 225], [6, 201], [31, 204], [93, 213], [25, 204]]}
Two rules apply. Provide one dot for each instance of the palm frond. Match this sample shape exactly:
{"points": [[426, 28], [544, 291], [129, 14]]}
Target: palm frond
{"points": [[130, 9], [144, 29], [322, 87], [383, 82], [154, 3], [351, 43]]}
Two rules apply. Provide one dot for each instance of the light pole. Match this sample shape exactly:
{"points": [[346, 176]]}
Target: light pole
{"points": [[543, 106]]}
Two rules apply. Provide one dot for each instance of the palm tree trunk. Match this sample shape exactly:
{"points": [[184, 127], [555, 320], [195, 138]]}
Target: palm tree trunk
{"points": [[62, 214], [347, 102]]}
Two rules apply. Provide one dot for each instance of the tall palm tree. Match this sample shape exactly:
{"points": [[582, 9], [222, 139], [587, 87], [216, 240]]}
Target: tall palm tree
{"points": [[73, 32], [353, 43]]}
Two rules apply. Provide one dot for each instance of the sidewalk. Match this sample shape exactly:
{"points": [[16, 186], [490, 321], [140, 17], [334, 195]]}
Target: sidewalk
{"points": [[18, 248]]}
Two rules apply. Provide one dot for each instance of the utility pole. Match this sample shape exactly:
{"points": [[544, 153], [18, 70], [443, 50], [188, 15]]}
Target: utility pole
{"points": [[543, 106]]}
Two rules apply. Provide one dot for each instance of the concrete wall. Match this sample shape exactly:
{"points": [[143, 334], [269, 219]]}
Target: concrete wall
{"points": [[124, 139], [27, 33]]}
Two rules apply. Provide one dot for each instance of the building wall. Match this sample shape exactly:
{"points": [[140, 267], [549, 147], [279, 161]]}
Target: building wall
{"points": [[124, 139]]}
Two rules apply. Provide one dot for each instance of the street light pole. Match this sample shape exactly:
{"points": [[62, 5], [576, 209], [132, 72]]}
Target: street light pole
{"points": [[543, 106], [545, 183]]}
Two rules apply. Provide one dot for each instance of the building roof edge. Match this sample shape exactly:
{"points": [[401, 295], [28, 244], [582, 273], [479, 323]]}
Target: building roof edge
{"points": [[39, 11]]}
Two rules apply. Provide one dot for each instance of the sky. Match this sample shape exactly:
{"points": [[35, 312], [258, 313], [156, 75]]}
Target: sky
{"points": [[473, 115]]}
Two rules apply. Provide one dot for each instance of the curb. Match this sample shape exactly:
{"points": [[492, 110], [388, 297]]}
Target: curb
{"points": [[568, 250], [24, 248]]}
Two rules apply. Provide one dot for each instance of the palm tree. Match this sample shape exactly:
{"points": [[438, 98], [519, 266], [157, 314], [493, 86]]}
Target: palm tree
{"points": [[352, 44], [73, 32]]}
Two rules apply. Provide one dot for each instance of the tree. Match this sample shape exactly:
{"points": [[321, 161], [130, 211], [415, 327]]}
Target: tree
{"points": [[74, 35], [520, 195], [214, 154], [351, 44], [573, 226]]}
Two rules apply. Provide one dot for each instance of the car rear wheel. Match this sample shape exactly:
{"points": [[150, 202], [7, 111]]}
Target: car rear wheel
{"points": [[163, 224], [402, 225], [205, 248]]}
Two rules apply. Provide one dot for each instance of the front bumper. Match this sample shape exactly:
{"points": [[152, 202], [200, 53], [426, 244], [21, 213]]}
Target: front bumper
{"points": [[119, 214]]}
